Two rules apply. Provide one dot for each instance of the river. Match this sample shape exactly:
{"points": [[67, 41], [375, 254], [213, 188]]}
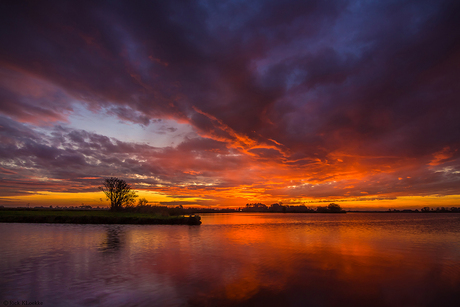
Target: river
{"points": [[237, 259]]}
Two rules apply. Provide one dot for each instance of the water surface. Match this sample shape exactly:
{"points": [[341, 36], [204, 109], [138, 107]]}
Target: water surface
{"points": [[239, 259]]}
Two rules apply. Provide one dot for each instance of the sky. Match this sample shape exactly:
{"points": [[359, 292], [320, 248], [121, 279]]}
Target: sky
{"points": [[223, 103]]}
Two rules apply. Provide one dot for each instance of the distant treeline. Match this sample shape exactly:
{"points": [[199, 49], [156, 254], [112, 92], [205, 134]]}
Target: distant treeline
{"points": [[423, 210], [143, 207], [166, 211], [259, 207], [431, 210]]}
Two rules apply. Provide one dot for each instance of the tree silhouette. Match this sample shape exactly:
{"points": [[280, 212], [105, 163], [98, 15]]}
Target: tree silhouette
{"points": [[331, 208], [334, 208], [118, 192]]}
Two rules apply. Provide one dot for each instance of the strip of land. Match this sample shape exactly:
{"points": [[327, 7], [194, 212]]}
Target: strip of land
{"points": [[93, 217]]}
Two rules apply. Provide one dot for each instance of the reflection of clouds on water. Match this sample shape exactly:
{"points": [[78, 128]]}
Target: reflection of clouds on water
{"points": [[238, 260], [114, 240]]}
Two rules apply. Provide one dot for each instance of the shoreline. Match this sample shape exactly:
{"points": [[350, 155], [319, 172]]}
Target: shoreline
{"points": [[92, 217]]}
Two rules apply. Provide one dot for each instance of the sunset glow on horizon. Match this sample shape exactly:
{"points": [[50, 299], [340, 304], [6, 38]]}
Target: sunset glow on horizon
{"points": [[219, 104]]}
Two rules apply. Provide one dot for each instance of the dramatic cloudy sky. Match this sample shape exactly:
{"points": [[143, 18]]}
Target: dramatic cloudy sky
{"points": [[221, 103]]}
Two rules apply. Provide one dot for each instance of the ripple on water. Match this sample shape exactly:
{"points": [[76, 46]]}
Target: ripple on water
{"points": [[230, 260]]}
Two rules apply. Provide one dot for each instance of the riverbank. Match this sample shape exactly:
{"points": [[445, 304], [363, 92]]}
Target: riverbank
{"points": [[93, 217]]}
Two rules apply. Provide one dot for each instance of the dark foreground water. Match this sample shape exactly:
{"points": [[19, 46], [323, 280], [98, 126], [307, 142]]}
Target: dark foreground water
{"points": [[237, 260]]}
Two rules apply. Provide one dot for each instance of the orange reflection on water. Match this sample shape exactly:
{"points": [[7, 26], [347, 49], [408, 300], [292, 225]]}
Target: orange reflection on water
{"points": [[364, 259], [245, 260]]}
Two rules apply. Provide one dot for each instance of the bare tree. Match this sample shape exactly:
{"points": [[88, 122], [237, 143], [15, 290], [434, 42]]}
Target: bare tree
{"points": [[118, 192]]}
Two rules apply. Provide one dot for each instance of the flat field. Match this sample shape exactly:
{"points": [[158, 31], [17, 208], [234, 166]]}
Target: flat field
{"points": [[91, 217]]}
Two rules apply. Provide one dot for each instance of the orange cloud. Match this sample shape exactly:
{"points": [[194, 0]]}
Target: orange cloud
{"points": [[441, 156]]}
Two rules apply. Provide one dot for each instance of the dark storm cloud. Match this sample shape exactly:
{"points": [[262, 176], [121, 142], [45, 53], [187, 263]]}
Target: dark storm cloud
{"points": [[158, 57], [397, 97], [165, 57], [314, 89], [27, 98]]}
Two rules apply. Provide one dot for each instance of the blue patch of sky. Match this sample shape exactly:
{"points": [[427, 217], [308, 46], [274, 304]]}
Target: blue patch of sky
{"points": [[159, 133]]}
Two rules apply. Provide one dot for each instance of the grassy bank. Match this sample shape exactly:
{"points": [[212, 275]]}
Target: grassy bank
{"points": [[92, 217]]}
